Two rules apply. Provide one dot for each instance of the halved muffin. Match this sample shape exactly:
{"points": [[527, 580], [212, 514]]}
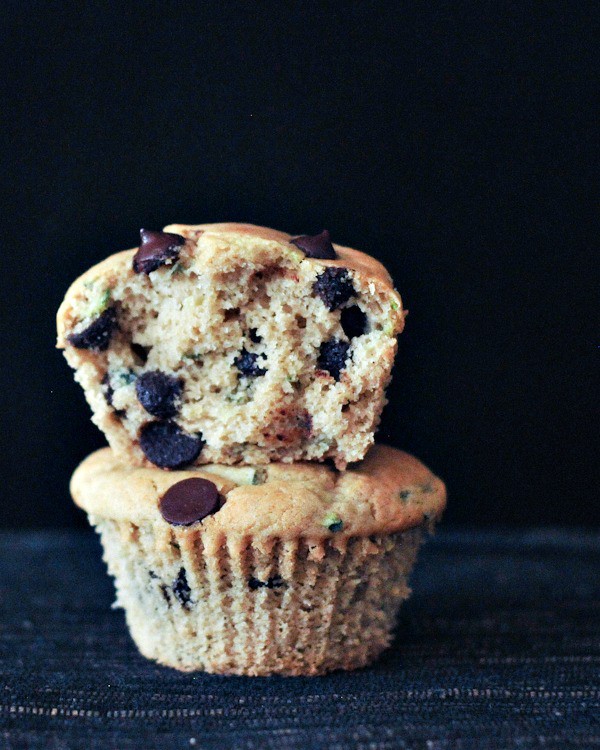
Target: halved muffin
{"points": [[230, 343]]}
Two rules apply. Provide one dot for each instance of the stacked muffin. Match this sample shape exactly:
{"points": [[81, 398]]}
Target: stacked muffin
{"points": [[236, 373]]}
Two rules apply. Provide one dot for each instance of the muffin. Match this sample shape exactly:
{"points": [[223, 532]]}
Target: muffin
{"points": [[230, 343], [294, 569]]}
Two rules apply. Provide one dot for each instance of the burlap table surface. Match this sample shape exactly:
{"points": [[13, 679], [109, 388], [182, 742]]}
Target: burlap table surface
{"points": [[499, 647]]}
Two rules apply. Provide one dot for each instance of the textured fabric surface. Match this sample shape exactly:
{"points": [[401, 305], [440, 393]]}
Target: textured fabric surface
{"points": [[499, 647]]}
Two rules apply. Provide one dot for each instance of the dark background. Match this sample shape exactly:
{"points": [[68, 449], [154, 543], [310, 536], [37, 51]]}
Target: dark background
{"points": [[454, 142]]}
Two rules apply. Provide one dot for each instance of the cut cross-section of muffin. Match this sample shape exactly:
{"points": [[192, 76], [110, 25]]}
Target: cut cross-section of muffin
{"points": [[230, 343]]}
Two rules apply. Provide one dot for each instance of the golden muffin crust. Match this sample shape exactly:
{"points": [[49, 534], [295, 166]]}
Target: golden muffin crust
{"points": [[390, 491]]}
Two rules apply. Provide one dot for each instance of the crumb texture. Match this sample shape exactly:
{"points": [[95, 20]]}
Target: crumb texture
{"points": [[195, 601], [233, 347]]}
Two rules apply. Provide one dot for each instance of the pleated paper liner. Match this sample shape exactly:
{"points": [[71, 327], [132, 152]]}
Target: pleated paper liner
{"points": [[196, 600]]}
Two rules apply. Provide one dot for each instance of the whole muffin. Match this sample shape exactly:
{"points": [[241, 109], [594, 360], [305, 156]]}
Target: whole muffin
{"points": [[230, 343], [281, 569]]}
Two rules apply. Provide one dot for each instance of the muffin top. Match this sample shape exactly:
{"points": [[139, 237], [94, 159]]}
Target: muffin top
{"points": [[223, 245], [389, 491]]}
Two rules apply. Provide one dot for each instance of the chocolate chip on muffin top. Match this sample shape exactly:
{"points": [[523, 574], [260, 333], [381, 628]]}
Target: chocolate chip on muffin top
{"points": [[156, 249], [189, 501], [316, 246]]}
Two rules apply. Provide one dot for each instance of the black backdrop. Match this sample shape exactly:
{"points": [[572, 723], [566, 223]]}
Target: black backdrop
{"points": [[452, 141]]}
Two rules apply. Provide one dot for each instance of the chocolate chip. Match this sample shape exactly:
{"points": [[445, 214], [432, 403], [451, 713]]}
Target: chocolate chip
{"points": [[181, 588], [97, 335], [189, 501], [353, 321], [316, 246], [159, 393], [165, 592], [254, 337], [167, 446], [156, 248], [334, 287], [271, 583], [247, 364], [107, 389], [332, 357], [139, 351], [232, 313]]}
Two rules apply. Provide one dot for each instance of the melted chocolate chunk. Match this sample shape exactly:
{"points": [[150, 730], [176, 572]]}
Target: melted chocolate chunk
{"points": [[247, 364], [332, 357], [181, 588], [97, 335], [189, 501], [334, 287], [159, 393], [167, 446], [316, 246], [353, 321], [156, 248], [271, 583], [141, 352], [254, 337]]}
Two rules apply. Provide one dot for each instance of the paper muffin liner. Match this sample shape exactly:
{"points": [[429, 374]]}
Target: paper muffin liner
{"points": [[196, 600]]}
